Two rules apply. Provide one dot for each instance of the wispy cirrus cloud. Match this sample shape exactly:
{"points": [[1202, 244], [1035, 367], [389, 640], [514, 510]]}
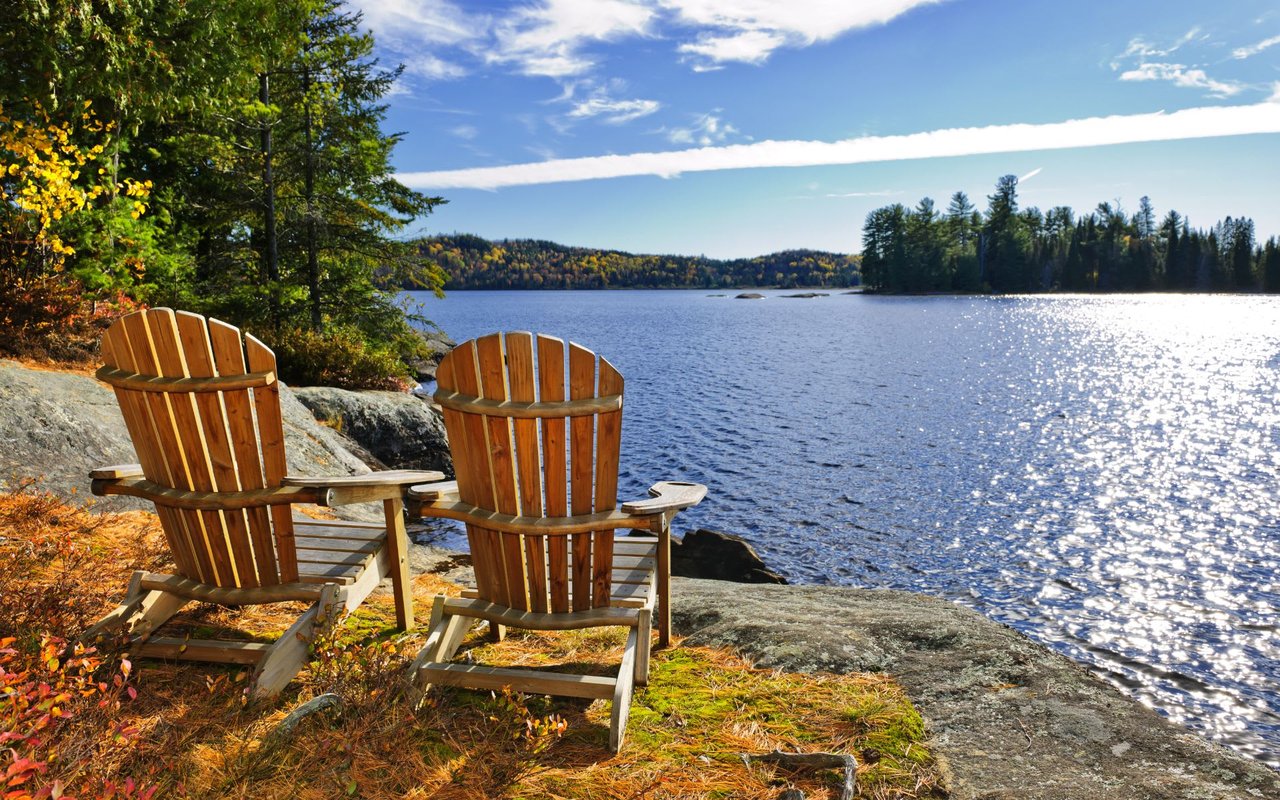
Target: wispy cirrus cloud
{"points": [[1252, 50], [550, 39], [1180, 75], [1142, 48], [614, 112], [1191, 123], [425, 65], [1143, 60], [706, 130], [749, 31], [405, 27], [1030, 175], [883, 193]]}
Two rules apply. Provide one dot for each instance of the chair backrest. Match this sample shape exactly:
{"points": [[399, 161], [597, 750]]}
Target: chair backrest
{"points": [[196, 426], [534, 440]]}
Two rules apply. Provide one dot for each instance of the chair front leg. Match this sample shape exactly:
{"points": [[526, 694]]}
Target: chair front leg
{"points": [[662, 527], [398, 561]]}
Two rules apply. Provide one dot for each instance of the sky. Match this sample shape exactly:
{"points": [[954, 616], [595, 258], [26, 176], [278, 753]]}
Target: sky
{"points": [[735, 128]]}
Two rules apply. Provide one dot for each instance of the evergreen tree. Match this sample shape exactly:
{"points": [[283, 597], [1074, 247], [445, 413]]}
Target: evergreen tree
{"points": [[1004, 247]]}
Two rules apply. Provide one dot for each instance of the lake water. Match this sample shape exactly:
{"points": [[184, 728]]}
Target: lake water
{"points": [[1101, 473]]}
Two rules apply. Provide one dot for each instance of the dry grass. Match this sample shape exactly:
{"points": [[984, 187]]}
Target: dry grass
{"points": [[189, 732]]}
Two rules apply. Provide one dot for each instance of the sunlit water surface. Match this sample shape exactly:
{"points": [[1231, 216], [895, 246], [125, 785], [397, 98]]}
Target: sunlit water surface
{"points": [[1102, 474]]}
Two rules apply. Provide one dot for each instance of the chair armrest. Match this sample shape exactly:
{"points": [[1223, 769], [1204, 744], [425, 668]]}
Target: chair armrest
{"points": [[431, 492], [116, 471], [345, 489], [667, 496]]}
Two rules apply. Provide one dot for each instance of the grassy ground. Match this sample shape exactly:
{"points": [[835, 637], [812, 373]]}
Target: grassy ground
{"points": [[98, 726]]}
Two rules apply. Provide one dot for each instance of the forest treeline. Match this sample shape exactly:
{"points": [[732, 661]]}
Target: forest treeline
{"points": [[1005, 249], [471, 262], [221, 156]]}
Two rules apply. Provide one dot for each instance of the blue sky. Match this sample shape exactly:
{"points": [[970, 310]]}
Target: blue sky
{"points": [[740, 127]]}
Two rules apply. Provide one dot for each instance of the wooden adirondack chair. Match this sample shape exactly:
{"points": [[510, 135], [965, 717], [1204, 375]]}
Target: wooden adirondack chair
{"points": [[202, 406], [541, 522]]}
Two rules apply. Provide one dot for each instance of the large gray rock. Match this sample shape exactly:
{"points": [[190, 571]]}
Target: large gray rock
{"points": [[1008, 717], [56, 426], [402, 431]]}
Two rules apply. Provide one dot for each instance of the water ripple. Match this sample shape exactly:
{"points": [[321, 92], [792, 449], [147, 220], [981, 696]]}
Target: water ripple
{"points": [[1099, 473]]}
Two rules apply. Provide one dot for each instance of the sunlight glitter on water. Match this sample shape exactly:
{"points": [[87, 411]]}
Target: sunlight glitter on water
{"points": [[1101, 473]]}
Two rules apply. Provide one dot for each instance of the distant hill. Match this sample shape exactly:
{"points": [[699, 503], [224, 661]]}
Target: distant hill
{"points": [[475, 263]]}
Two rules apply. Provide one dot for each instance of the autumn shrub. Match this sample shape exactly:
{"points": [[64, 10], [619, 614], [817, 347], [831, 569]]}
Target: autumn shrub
{"points": [[59, 192], [61, 703], [342, 357]]}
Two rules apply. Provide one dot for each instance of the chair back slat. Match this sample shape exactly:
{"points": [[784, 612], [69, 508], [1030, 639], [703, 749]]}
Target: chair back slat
{"points": [[137, 418], [266, 404], [193, 335], [227, 350], [535, 462], [226, 440], [198, 472], [475, 485], [608, 445], [523, 388], [551, 388], [166, 443]]}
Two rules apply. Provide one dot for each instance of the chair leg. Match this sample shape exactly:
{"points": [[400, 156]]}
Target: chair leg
{"points": [[622, 692], [446, 635], [288, 654], [497, 632], [663, 529], [644, 633], [139, 614], [398, 558]]}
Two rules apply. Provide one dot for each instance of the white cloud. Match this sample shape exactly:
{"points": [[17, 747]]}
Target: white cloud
{"points": [[1030, 175], [1180, 75], [1191, 123], [1140, 47], [751, 47], [465, 131], [707, 129], [547, 39], [615, 112], [1254, 49], [885, 193], [750, 30], [425, 65], [434, 21]]}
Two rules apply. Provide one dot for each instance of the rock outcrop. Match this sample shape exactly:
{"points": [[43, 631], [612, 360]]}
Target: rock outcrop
{"points": [[401, 431], [749, 296], [1008, 717], [720, 557], [56, 426], [439, 344]]}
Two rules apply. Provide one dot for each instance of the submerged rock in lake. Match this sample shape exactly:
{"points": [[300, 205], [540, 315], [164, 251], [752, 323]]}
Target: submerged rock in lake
{"points": [[807, 295], [721, 557]]}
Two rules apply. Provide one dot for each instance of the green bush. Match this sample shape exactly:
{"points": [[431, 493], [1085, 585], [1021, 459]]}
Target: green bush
{"points": [[341, 357]]}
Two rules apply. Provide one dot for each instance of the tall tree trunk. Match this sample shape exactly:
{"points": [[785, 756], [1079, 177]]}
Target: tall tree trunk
{"points": [[271, 253], [313, 257]]}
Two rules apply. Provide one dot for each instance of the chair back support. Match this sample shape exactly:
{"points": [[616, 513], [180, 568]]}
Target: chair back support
{"points": [[535, 440], [202, 406]]}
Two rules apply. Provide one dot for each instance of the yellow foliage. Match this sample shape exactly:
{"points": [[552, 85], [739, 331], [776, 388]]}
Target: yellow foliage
{"points": [[40, 177]]}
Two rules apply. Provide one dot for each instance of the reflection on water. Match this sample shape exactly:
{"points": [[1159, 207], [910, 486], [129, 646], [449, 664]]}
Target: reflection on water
{"points": [[1101, 473]]}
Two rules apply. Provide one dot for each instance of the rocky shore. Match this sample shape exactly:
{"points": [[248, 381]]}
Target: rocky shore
{"points": [[1008, 717]]}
